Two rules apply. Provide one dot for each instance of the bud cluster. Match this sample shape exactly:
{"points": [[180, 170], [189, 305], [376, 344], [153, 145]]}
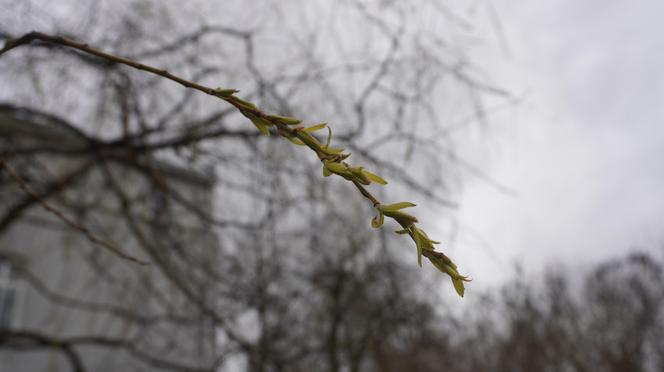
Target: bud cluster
{"points": [[333, 160]]}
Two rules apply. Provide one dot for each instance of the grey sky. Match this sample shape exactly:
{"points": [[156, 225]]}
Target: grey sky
{"points": [[584, 151]]}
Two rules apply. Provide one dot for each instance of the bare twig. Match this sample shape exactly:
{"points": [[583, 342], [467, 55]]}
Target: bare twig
{"points": [[333, 160], [71, 223], [32, 36]]}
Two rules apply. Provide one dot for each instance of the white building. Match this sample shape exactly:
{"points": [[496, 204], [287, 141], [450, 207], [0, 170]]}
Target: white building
{"points": [[67, 304]]}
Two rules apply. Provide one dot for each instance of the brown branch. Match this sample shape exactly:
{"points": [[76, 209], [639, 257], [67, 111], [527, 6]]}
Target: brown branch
{"points": [[51, 189], [32, 36], [363, 190], [71, 223], [31, 341], [262, 120]]}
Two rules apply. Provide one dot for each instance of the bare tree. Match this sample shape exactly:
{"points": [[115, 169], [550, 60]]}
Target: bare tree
{"points": [[264, 264]]}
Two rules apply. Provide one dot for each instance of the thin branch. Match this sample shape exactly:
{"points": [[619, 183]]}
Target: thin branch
{"points": [[333, 159], [192, 37], [31, 341], [71, 223], [32, 36], [51, 189], [26, 340]]}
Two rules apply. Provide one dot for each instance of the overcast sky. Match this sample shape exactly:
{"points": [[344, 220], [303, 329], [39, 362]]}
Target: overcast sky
{"points": [[585, 150]]}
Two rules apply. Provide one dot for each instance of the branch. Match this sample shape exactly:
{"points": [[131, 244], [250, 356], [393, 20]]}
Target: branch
{"points": [[333, 159], [33, 36], [162, 263], [26, 340], [95, 307], [30, 340], [51, 189], [71, 223]]}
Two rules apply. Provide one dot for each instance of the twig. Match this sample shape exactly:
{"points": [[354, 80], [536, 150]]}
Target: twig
{"points": [[71, 223], [332, 160], [32, 36]]}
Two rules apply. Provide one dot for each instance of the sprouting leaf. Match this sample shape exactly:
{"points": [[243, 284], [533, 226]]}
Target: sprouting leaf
{"points": [[260, 123], [427, 238], [375, 178], [244, 105], [339, 169], [296, 141], [285, 119], [329, 137], [427, 243], [336, 167], [225, 93], [419, 244], [378, 221], [403, 231], [316, 127], [264, 129], [310, 140], [458, 286], [403, 219], [359, 175], [326, 172], [397, 206], [450, 269], [334, 151]]}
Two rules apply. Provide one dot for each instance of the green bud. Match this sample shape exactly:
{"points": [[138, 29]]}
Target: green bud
{"points": [[316, 127], [285, 119], [310, 141], [296, 141], [450, 269], [330, 151], [260, 123], [242, 104], [397, 206], [404, 219], [225, 93], [289, 136], [338, 169], [375, 178], [459, 287], [419, 243], [378, 221], [359, 175], [329, 137]]}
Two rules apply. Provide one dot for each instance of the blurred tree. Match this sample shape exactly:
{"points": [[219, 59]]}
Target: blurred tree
{"points": [[613, 321], [270, 270]]}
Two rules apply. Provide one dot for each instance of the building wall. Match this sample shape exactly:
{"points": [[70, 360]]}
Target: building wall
{"points": [[66, 287]]}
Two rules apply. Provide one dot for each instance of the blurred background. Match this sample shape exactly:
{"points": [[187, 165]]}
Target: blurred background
{"points": [[529, 136]]}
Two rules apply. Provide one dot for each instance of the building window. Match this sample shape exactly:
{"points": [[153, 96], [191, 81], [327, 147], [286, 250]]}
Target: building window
{"points": [[7, 294]]}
